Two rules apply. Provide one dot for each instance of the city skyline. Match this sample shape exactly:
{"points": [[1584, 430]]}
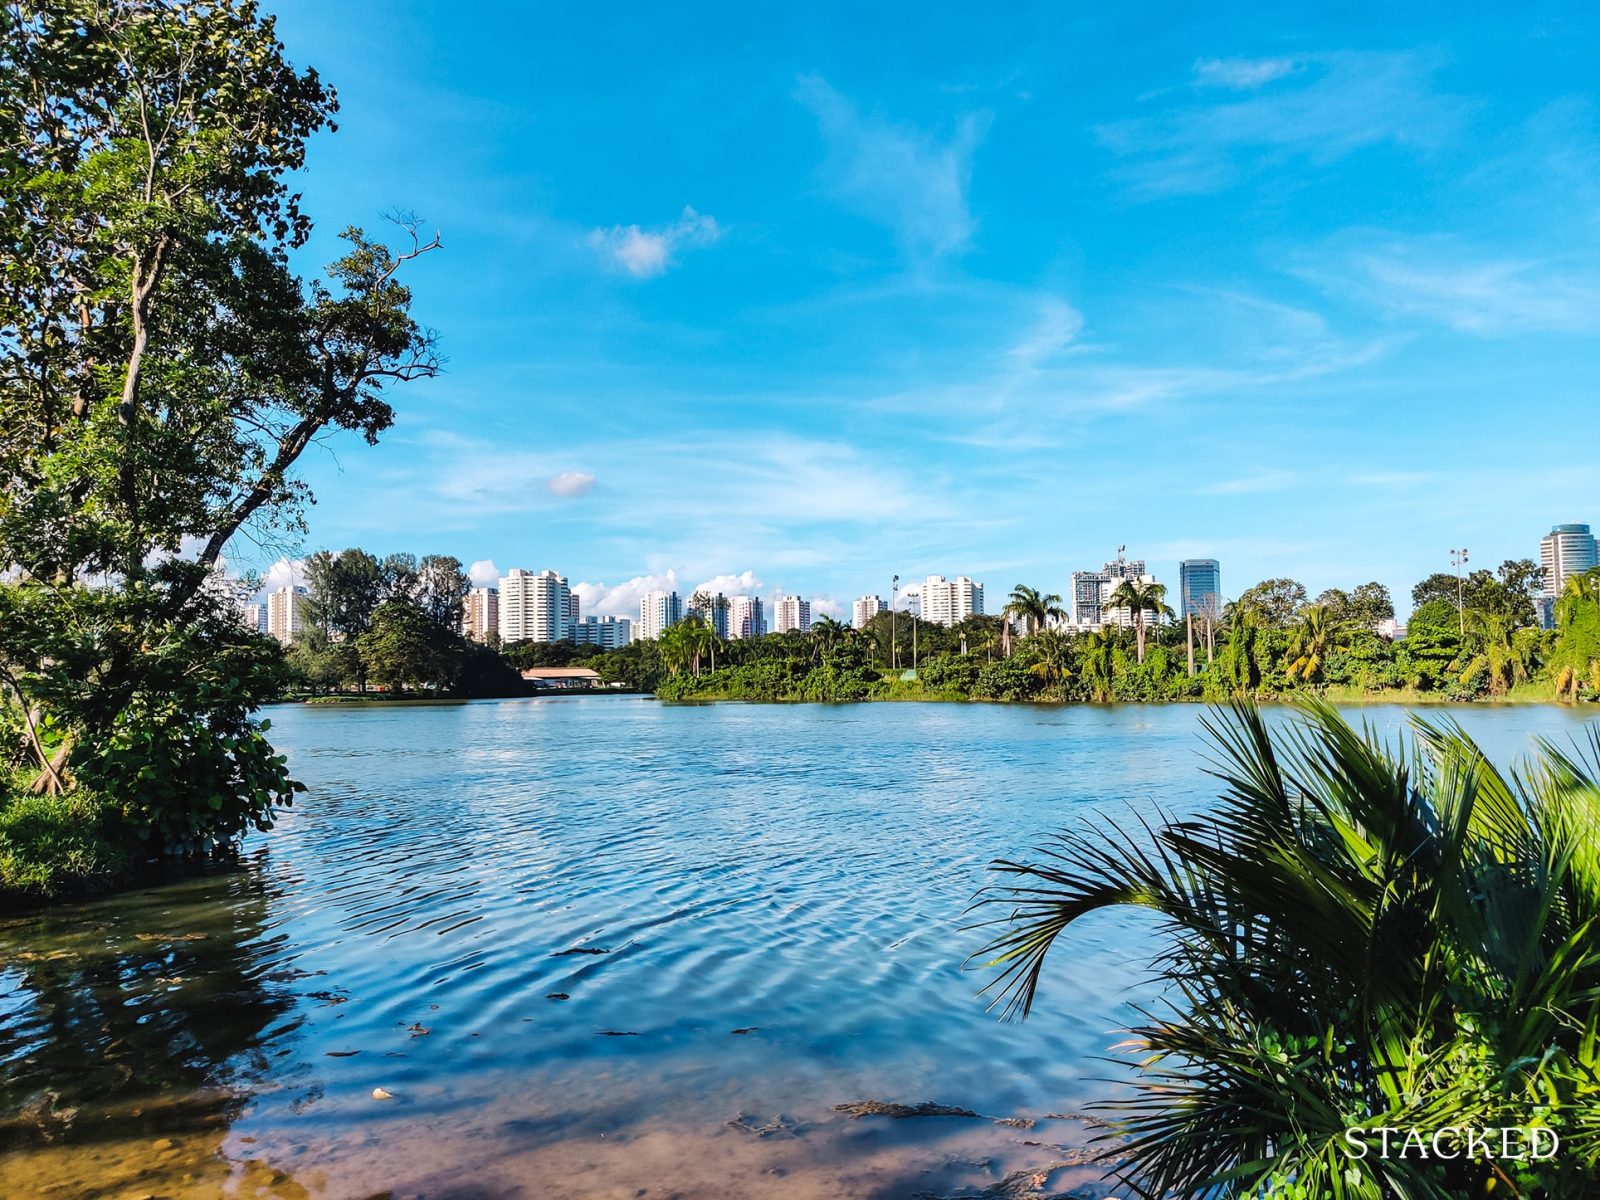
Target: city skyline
{"points": [[1084, 585], [824, 310]]}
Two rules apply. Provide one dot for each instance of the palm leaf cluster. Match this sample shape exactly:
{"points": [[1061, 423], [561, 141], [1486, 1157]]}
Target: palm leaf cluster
{"points": [[1356, 936]]}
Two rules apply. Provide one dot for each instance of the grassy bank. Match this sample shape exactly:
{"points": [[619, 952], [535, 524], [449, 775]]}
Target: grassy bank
{"points": [[60, 847]]}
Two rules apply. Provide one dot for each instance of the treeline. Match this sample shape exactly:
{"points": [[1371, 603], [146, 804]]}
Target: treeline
{"points": [[1476, 638], [395, 623]]}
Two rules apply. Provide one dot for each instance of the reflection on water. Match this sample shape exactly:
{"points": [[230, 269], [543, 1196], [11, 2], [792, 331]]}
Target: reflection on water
{"points": [[131, 1033], [593, 948]]}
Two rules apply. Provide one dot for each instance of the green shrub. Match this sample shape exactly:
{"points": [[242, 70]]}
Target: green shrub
{"points": [[1355, 937], [53, 846]]}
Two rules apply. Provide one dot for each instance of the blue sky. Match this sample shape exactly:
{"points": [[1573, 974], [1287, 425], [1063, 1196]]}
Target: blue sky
{"points": [[809, 295]]}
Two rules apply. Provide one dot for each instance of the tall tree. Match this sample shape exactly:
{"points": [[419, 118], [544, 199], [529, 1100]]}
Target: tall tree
{"points": [[1311, 639], [399, 576], [403, 647], [1033, 608], [1141, 600], [162, 371], [1275, 601], [441, 586], [342, 591]]}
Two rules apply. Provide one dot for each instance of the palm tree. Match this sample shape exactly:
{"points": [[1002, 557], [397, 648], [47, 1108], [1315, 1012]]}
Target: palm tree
{"points": [[1502, 655], [696, 638], [1311, 640], [1098, 663], [1033, 608], [673, 647], [1357, 937], [1052, 655], [827, 633], [1139, 598], [1578, 590]]}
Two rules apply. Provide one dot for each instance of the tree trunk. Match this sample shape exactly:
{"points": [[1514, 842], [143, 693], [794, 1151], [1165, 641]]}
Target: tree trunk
{"points": [[54, 778], [1188, 637]]}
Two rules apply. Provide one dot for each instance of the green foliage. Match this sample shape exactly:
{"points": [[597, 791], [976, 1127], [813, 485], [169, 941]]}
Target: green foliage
{"points": [[404, 649], [162, 370], [1272, 602], [1006, 679], [1363, 607], [1357, 937], [53, 846], [1507, 592], [525, 655], [173, 743], [955, 671], [1435, 617]]}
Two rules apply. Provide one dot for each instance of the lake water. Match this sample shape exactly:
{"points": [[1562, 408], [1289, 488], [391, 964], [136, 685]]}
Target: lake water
{"points": [[601, 947]]}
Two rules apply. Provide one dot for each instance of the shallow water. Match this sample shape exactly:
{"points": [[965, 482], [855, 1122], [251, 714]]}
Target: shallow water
{"points": [[754, 913]]}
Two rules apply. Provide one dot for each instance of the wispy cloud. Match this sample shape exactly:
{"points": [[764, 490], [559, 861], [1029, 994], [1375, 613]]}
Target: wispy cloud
{"points": [[1057, 328], [1263, 480], [1241, 74], [1339, 103], [912, 181], [1444, 282], [1392, 479], [645, 253], [571, 483]]}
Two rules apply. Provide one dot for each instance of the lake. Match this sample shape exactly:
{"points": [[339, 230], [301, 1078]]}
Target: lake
{"points": [[602, 947]]}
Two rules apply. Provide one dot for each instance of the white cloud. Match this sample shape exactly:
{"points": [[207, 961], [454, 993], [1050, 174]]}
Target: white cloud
{"points": [[571, 483], [1241, 73], [898, 175], [745, 583], [484, 573], [604, 600], [1256, 481], [826, 606], [644, 253], [1339, 103], [283, 573]]}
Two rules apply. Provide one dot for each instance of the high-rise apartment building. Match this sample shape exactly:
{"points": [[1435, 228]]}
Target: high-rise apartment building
{"points": [[1565, 551], [1122, 615], [1087, 588], [606, 632], [1200, 582], [480, 614], [1090, 588], [536, 608], [286, 612], [949, 601], [1125, 568], [791, 614], [658, 611], [864, 609], [746, 618], [254, 617]]}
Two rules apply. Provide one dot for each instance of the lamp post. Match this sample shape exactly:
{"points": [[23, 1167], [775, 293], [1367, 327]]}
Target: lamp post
{"points": [[894, 643], [1458, 559]]}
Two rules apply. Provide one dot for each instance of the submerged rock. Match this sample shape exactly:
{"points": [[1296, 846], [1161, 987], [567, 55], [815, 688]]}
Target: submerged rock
{"points": [[928, 1108]]}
